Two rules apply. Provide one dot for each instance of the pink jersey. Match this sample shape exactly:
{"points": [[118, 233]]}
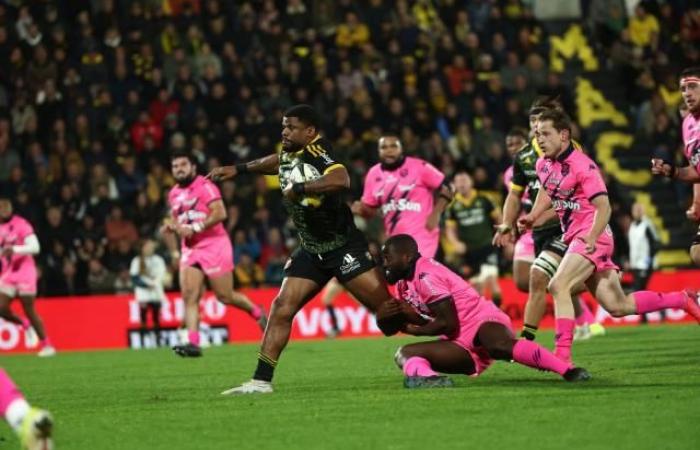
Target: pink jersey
{"points": [[191, 204], [572, 181], [433, 282], [405, 196], [691, 140], [14, 232]]}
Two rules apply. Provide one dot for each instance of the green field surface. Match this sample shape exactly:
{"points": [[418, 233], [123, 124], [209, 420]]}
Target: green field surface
{"points": [[645, 394]]}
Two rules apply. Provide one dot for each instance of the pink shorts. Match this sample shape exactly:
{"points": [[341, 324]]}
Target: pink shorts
{"points": [[488, 312], [213, 257], [524, 248], [602, 256], [18, 282]]}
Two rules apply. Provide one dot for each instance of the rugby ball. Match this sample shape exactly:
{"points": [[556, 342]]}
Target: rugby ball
{"points": [[301, 173]]}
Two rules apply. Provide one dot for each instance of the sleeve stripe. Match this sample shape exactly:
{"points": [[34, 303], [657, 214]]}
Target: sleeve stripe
{"points": [[333, 167], [590, 199], [516, 187]]}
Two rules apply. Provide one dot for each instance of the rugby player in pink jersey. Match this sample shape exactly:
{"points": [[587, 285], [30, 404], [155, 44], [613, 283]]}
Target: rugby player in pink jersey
{"points": [[472, 330], [206, 252], [405, 188], [19, 244], [33, 426], [690, 89], [573, 185]]}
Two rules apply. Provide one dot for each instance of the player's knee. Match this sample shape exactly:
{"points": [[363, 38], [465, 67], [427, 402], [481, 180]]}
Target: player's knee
{"points": [[695, 254], [558, 286], [538, 281], [501, 349], [282, 309], [522, 282]]}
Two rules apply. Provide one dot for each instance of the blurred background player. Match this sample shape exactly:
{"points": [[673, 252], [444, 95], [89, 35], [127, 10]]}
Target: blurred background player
{"points": [[411, 193], [573, 185], [524, 251], [330, 243], [198, 212], [546, 233], [473, 332], [690, 90], [32, 425], [643, 243], [18, 276], [148, 272], [469, 223]]}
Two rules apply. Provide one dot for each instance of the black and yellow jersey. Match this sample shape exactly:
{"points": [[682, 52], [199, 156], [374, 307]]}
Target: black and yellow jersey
{"points": [[324, 222], [474, 217]]}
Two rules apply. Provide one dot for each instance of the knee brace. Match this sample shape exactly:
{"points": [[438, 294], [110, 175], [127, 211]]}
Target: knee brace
{"points": [[547, 264]]}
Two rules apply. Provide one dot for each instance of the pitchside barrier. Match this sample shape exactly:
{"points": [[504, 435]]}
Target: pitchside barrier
{"points": [[112, 321]]}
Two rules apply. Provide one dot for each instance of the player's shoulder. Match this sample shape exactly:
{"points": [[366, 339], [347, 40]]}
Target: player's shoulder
{"points": [[319, 145], [21, 221]]}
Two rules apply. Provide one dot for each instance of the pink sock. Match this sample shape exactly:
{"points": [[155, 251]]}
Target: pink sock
{"points": [[586, 317], [417, 366], [8, 392], [256, 312], [26, 324], [45, 342], [649, 301], [532, 354], [193, 337], [563, 339]]}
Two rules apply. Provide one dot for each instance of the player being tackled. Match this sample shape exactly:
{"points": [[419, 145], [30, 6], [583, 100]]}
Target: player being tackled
{"points": [[472, 330]]}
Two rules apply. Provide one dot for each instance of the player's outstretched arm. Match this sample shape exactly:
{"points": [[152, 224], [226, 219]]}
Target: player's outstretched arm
{"points": [[267, 165], [362, 209], [445, 320], [686, 174]]}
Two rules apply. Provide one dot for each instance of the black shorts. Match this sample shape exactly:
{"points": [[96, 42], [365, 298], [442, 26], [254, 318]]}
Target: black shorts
{"points": [[696, 239], [549, 239], [344, 263]]}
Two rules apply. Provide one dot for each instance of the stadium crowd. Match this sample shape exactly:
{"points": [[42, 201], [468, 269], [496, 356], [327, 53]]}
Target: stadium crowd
{"points": [[95, 95]]}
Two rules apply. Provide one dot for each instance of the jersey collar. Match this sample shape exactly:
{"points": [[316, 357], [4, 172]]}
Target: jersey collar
{"points": [[468, 199], [565, 154]]}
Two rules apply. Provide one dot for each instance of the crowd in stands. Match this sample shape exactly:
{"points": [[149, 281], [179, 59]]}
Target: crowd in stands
{"points": [[96, 94]]}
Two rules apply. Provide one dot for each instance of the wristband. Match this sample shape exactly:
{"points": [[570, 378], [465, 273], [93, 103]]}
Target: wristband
{"points": [[299, 189], [197, 227], [504, 228], [242, 168]]}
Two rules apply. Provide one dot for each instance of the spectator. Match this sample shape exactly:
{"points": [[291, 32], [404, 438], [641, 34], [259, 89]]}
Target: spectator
{"points": [[248, 274], [99, 279], [119, 229]]}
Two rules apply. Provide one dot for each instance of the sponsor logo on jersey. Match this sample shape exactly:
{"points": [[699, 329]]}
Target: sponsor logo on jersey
{"points": [[401, 204], [566, 204]]}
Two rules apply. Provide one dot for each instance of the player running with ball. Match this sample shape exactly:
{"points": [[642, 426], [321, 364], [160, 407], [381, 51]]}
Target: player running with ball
{"points": [[331, 245], [473, 331]]}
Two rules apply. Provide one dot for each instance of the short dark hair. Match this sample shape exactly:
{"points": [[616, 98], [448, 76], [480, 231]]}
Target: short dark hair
{"points": [[518, 132], [560, 120], [544, 103], [183, 154], [306, 114], [691, 72], [402, 243]]}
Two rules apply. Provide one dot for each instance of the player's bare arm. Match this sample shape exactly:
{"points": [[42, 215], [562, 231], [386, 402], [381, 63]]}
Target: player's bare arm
{"points": [[335, 180], [693, 213], [543, 202], [451, 235], [362, 209], [600, 220], [445, 194], [686, 174], [445, 320], [511, 209], [267, 165]]}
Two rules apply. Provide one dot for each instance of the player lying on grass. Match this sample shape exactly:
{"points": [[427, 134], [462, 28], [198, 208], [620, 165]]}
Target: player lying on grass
{"points": [[32, 425], [473, 331]]}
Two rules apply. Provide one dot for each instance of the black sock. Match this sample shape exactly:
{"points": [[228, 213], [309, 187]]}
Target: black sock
{"points": [[529, 332], [265, 369], [334, 318]]}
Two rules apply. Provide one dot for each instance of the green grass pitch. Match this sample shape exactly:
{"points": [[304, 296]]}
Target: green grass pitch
{"points": [[348, 394]]}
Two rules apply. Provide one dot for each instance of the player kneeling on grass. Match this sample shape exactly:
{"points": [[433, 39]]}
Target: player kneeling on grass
{"points": [[473, 330]]}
